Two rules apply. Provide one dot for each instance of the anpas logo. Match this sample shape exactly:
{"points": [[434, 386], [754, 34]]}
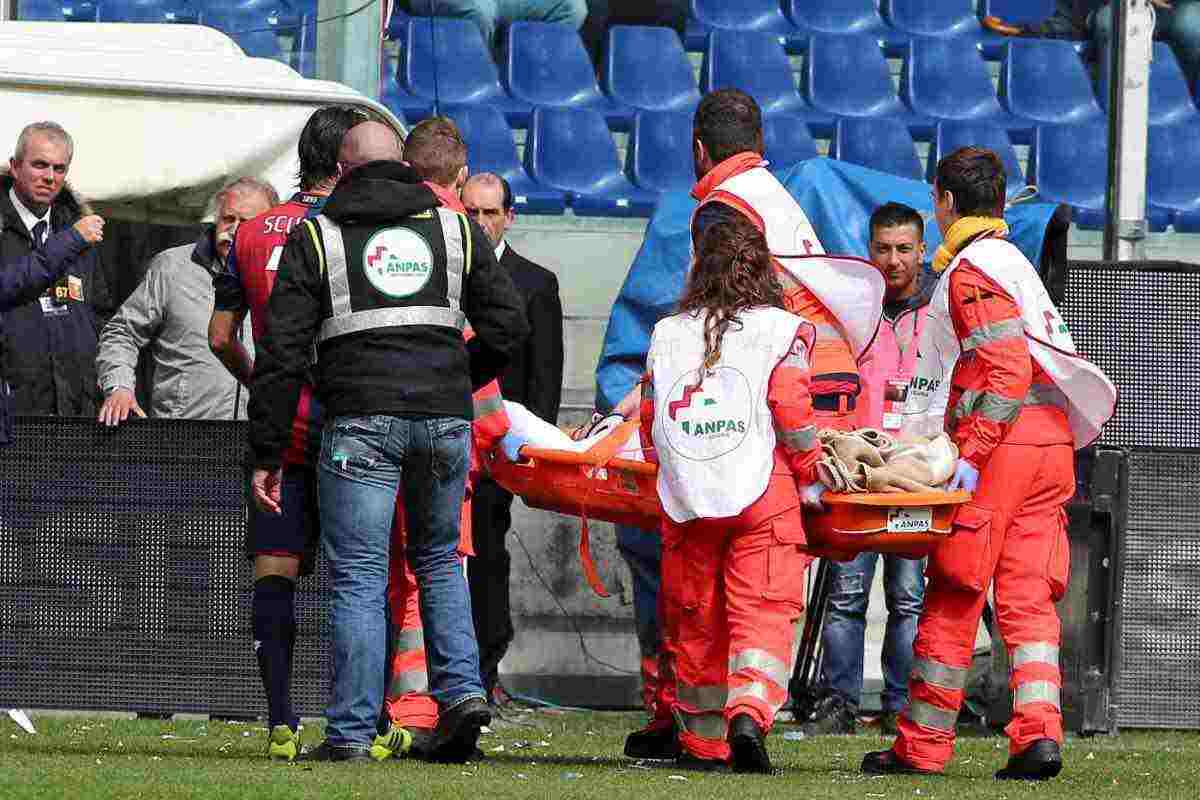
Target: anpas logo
{"points": [[710, 420], [398, 262]]}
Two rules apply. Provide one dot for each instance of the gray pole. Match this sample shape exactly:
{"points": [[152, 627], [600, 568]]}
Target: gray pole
{"points": [[1128, 108], [349, 48], [8, 9]]}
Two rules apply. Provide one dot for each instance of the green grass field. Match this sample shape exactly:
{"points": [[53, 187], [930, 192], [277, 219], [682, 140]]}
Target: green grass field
{"points": [[561, 755]]}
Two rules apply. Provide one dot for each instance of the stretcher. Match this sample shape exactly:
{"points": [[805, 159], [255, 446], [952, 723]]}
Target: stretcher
{"points": [[599, 483]]}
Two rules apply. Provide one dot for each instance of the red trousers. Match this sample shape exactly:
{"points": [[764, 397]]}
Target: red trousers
{"points": [[407, 698], [731, 594], [1012, 533]]}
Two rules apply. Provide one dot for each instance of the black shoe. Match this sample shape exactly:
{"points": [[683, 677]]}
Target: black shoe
{"points": [[749, 746], [422, 742], [655, 742], [887, 724], [1040, 761], [336, 752], [457, 731], [886, 762], [696, 764], [832, 716]]}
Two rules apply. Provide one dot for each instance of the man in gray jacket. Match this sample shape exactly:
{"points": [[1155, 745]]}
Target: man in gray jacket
{"points": [[169, 312]]}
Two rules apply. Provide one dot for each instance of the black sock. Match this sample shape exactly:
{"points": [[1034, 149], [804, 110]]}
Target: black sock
{"points": [[274, 623]]}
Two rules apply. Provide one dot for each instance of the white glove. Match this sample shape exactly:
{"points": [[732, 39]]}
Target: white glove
{"points": [[965, 476]]}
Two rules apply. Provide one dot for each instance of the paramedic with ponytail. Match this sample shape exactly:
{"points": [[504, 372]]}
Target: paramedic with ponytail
{"points": [[1019, 401], [727, 408]]}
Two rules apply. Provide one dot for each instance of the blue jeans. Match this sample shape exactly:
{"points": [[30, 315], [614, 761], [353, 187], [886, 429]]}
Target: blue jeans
{"points": [[844, 635], [642, 551], [364, 462], [1179, 26], [488, 13]]}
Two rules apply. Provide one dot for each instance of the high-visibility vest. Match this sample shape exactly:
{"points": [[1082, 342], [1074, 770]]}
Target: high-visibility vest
{"points": [[1088, 395], [714, 433], [412, 274]]}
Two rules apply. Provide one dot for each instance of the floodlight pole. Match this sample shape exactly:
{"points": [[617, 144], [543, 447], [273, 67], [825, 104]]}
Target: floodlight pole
{"points": [[1130, 50]]}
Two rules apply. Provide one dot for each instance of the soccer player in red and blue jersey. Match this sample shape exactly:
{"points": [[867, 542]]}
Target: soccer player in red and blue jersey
{"points": [[283, 546]]}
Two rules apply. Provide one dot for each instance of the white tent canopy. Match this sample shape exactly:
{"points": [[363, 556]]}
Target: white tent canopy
{"points": [[162, 115]]}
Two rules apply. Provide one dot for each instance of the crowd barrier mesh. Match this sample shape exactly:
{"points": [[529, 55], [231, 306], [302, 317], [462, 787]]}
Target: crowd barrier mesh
{"points": [[123, 580]]}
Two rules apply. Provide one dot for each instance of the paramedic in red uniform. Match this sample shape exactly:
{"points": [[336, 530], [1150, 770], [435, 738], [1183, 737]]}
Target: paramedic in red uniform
{"points": [[436, 152], [726, 406], [283, 546], [1011, 423]]}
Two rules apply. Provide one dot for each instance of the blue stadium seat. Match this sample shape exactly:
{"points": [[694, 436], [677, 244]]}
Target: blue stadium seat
{"points": [[764, 16], [756, 64], [1170, 96], [788, 140], [943, 79], [1069, 164], [159, 11], [546, 65], [953, 135], [571, 149], [58, 10], [397, 25], [447, 60], [248, 27], [404, 105], [848, 76], [659, 157], [934, 17], [1044, 80], [1172, 180], [490, 148], [647, 68], [1017, 12], [821, 17], [880, 144]]}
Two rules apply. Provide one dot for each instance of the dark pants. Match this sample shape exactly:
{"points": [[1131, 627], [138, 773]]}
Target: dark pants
{"points": [[487, 574]]}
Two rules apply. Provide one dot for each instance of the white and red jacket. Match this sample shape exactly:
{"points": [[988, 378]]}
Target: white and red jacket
{"points": [[841, 296]]}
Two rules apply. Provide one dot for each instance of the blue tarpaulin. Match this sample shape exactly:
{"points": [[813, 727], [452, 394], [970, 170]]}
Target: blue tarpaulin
{"points": [[838, 199]]}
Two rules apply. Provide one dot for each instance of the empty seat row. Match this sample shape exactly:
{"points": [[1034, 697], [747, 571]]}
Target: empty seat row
{"points": [[1041, 81], [571, 160], [256, 25], [894, 22]]}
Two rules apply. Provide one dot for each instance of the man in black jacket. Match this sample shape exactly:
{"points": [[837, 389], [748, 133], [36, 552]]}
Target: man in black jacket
{"points": [[534, 379], [23, 278], [382, 283], [50, 340]]}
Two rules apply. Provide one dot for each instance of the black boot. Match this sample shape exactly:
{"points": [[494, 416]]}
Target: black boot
{"points": [[1040, 761], [886, 762], [657, 742], [457, 731], [748, 744]]}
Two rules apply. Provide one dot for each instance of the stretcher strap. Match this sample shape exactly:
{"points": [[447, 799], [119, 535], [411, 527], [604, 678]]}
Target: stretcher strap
{"points": [[585, 556]]}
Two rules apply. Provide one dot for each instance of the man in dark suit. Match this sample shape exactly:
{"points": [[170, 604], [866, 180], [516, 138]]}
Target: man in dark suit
{"points": [[534, 379]]}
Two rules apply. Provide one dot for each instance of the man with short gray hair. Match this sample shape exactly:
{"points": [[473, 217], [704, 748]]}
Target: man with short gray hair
{"points": [[49, 343], [169, 312]]}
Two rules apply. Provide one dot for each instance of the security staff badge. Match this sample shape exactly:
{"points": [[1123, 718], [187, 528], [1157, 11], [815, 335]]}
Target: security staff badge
{"points": [[67, 290]]}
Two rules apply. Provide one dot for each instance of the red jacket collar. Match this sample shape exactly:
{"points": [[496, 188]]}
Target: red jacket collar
{"points": [[734, 165], [447, 197]]}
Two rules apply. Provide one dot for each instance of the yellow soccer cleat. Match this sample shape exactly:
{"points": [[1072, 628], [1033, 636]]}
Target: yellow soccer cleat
{"points": [[284, 744], [393, 744]]}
